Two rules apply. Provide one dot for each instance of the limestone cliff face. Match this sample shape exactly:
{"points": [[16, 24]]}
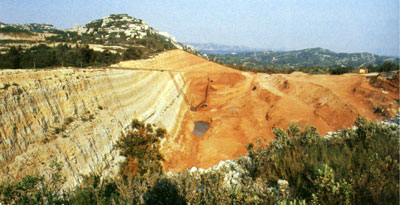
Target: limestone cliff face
{"points": [[76, 116]]}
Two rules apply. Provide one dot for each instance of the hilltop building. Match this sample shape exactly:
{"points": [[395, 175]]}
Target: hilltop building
{"points": [[363, 70]]}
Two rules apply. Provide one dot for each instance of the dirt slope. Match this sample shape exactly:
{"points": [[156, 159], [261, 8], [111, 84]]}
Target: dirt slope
{"points": [[242, 106]]}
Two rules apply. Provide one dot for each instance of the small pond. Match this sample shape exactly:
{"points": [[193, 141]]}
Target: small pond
{"points": [[200, 128]]}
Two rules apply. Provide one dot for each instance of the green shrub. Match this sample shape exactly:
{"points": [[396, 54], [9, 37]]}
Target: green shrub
{"points": [[140, 145], [95, 190], [340, 70], [33, 189], [362, 164], [164, 192]]}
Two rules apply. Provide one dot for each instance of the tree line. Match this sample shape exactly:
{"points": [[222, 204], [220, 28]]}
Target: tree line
{"points": [[387, 66], [43, 56]]}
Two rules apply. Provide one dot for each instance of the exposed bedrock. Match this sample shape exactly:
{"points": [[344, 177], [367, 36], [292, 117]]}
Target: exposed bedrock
{"points": [[76, 116]]}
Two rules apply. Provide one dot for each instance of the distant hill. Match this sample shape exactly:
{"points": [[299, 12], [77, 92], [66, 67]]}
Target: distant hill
{"points": [[32, 27], [115, 33], [41, 28], [100, 42], [118, 30], [213, 48], [312, 57]]}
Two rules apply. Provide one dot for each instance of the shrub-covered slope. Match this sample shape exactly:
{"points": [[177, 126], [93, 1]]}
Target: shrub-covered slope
{"points": [[312, 57], [358, 165]]}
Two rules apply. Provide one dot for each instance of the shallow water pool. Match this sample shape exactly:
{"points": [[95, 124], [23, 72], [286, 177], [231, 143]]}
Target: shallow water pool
{"points": [[200, 128]]}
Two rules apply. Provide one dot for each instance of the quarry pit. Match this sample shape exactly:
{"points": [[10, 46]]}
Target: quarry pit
{"points": [[174, 90]]}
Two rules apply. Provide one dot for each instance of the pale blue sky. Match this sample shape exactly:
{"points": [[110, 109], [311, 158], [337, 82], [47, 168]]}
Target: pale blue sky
{"points": [[339, 25]]}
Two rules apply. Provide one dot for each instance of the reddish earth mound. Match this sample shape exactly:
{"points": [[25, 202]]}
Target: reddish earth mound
{"points": [[241, 107]]}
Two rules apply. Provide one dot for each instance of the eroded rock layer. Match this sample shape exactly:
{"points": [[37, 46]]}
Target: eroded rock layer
{"points": [[76, 116]]}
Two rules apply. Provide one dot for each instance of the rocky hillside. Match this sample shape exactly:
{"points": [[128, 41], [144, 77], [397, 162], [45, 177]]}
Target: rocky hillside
{"points": [[316, 57], [32, 27], [115, 33], [120, 28], [38, 27]]}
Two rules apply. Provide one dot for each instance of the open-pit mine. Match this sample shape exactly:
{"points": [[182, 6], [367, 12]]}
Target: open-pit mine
{"points": [[211, 112]]}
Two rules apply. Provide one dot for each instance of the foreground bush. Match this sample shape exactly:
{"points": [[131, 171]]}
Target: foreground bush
{"points": [[35, 189], [356, 166], [140, 146]]}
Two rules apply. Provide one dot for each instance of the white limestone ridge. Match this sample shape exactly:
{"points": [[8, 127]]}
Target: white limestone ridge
{"points": [[122, 26]]}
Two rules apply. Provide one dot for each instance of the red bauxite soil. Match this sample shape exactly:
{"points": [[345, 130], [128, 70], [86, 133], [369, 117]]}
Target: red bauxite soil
{"points": [[241, 107]]}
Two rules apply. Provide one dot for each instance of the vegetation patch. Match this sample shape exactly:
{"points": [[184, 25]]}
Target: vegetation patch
{"points": [[12, 29], [42, 56], [353, 166], [87, 117], [140, 146], [63, 127], [313, 60]]}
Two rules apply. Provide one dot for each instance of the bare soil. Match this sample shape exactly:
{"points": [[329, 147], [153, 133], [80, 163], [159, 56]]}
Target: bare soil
{"points": [[242, 107]]}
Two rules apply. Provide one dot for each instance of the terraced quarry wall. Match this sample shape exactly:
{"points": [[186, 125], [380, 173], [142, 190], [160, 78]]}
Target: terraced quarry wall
{"points": [[242, 107], [76, 116]]}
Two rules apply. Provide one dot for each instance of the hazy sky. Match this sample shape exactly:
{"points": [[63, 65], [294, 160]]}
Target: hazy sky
{"points": [[339, 25]]}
